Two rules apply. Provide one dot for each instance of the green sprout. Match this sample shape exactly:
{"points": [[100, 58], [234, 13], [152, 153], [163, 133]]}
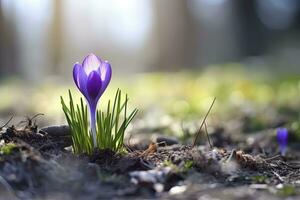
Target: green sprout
{"points": [[7, 149], [110, 125], [287, 191]]}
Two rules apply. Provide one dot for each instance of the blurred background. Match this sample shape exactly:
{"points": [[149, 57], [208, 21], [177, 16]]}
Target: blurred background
{"points": [[45, 37], [171, 56]]}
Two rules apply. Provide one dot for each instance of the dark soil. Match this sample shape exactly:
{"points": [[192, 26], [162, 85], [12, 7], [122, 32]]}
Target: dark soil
{"points": [[39, 164]]}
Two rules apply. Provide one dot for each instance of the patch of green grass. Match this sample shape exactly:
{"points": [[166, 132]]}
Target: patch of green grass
{"points": [[259, 179], [7, 149], [181, 168], [77, 118], [188, 165], [110, 125], [183, 95], [287, 190], [169, 163]]}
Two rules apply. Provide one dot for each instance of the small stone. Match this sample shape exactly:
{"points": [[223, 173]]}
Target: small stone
{"points": [[177, 189], [164, 140], [57, 130]]}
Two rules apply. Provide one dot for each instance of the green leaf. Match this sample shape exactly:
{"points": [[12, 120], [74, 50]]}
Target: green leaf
{"points": [[110, 127]]}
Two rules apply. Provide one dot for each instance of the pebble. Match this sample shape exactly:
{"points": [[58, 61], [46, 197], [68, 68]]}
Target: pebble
{"points": [[57, 130], [165, 140]]}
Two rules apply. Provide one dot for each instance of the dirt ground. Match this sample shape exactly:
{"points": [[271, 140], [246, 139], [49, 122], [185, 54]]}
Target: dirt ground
{"points": [[39, 164]]}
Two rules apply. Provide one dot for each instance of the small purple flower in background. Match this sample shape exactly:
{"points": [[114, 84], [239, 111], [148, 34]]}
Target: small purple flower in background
{"points": [[92, 78], [282, 139]]}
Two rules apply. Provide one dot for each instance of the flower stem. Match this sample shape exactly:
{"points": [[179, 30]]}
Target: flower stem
{"points": [[283, 150], [93, 122]]}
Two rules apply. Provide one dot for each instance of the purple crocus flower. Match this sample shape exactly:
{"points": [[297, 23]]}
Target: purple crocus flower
{"points": [[282, 139], [92, 78]]}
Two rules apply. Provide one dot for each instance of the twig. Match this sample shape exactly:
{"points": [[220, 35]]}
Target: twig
{"points": [[149, 166], [278, 176], [30, 119], [7, 122], [128, 147], [272, 158], [36, 115], [291, 166], [33, 117], [232, 154], [185, 131], [199, 131], [207, 136]]}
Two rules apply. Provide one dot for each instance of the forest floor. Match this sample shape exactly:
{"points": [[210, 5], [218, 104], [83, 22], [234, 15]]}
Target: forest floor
{"points": [[39, 164], [241, 159]]}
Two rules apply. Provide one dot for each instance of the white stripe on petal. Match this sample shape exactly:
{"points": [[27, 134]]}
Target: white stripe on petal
{"points": [[91, 63]]}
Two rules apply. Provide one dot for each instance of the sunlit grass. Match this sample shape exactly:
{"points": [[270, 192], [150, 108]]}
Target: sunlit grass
{"points": [[185, 95]]}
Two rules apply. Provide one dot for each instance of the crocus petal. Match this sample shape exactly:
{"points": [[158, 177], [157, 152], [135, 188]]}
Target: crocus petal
{"points": [[282, 139], [282, 136], [105, 73], [93, 86], [75, 73], [91, 63], [80, 78]]}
